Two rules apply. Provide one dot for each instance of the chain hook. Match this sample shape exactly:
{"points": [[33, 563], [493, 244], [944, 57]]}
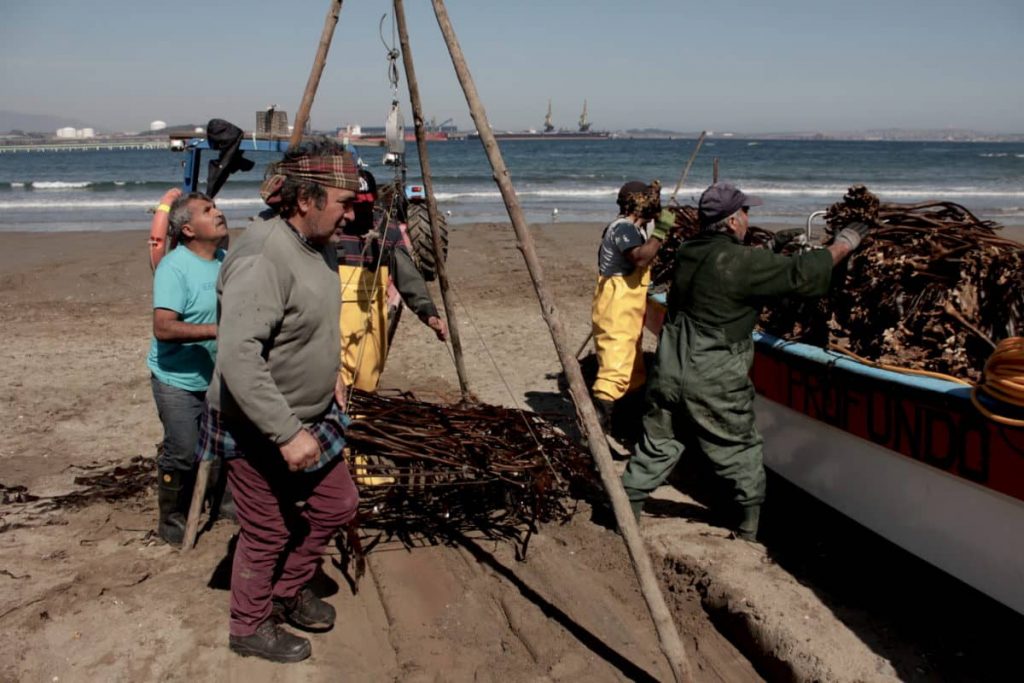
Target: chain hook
{"points": [[392, 53]]}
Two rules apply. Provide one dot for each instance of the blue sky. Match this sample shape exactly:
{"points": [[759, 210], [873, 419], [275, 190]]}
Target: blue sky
{"points": [[742, 65]]}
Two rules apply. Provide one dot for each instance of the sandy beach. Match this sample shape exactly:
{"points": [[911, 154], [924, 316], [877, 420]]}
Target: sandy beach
{"points": [[88, 595]]}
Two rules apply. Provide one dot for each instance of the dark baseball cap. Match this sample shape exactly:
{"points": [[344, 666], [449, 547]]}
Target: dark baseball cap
{"points": [[631, 188], [722, 200]]}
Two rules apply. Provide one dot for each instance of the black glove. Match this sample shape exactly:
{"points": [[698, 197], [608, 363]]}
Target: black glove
{"points": [[784, 237], [852, 234]]}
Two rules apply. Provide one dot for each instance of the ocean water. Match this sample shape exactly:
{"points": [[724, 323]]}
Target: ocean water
{"points": [[113, 190]]}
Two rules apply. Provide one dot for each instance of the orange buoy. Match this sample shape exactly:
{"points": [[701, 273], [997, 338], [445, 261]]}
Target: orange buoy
{"points": [[158, 227]]}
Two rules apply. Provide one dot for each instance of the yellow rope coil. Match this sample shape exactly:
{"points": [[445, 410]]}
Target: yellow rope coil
{"points": [[1003, 377], [1003, 380]]}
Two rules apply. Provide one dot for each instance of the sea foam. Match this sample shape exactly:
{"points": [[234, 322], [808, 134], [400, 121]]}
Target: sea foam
{"points": [[58, 185]]}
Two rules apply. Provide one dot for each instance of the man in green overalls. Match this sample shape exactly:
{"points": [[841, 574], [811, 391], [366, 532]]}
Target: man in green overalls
{"points": [[699, 394]]}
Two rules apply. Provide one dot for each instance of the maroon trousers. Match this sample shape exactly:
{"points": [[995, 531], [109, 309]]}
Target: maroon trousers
{"points": [[280, 545]]}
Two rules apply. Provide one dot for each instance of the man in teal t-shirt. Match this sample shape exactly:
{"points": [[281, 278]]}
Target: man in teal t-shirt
{"points": [[184, 347]]}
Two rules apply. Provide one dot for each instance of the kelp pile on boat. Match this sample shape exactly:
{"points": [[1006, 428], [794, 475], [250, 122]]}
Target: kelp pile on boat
{"points": [[933, 287], [461, 467]]}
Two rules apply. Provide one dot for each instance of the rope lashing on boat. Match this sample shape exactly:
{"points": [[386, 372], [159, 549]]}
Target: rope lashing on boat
{"points": [[1003, 380], [897, 368]]}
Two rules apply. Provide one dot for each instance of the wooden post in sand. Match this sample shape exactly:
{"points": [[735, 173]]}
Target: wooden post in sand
{"points": [[667, 634], [686, 169], [195, 508], [428, 184], [314, 75]]}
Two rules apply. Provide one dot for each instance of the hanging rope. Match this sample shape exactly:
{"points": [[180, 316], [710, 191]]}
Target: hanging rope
{"points": [[395, 135], [379, 233], [504, 381], [394, 130], [392, 52]]}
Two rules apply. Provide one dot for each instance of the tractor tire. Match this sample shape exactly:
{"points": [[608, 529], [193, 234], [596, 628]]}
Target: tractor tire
{"points": [[418, 227]]}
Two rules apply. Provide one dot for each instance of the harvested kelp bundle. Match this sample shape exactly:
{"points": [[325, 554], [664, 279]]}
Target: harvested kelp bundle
{"points": [[687, 226], [931, 288], [470, 466], [108, 482]]}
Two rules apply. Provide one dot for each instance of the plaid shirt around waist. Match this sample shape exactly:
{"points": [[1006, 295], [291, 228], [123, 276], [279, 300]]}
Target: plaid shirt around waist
{"points": [[224, 439]]}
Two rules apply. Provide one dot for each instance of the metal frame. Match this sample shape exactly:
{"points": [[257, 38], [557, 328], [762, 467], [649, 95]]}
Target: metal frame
{"points": [[194, 148]]}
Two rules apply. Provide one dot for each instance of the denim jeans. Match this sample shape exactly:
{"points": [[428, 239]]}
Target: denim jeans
{"points": [[179, 412]]}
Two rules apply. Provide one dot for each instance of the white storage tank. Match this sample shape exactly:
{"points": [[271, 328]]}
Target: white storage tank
{"points": [[66, 132], [157, 125]]}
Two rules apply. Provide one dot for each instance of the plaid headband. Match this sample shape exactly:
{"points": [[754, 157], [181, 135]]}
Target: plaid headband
{"points": [[338, 170]]}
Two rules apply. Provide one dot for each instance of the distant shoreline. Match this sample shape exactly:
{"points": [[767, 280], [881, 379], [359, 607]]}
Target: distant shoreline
{"points": [[45, 141]]}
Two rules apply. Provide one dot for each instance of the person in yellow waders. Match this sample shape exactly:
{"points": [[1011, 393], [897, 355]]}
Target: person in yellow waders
{"points": [[371, 251], [620, 297]]}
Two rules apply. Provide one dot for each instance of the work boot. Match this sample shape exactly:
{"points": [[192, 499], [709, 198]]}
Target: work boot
{"points": [[305, 610], [170, 492], [272, 642], [750, 518]]}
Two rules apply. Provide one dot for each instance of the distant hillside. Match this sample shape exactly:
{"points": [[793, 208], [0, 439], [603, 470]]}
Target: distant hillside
{"points": [[35, 123]]}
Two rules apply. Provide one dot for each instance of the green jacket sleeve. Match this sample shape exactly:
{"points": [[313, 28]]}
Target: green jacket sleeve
{"points": [[769, 274], [410, 284], [252, 306]]}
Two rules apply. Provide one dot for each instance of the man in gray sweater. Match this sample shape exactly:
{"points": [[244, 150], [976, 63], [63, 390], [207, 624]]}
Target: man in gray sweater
{"points": [[275, 403]]}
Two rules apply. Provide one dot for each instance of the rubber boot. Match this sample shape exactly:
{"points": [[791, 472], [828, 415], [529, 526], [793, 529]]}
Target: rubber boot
{"points": [[218, 493], [750, 518], [169, 494], [637, 506], [226, 509], [604, 408], [604, 514]]}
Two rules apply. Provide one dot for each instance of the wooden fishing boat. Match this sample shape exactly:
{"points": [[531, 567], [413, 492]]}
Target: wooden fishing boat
{"points": [[908, 456]]}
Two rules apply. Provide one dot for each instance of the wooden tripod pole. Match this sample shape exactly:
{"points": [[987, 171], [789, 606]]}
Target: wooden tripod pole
{"points": [[428, 184], [686, 169], [714, 170], [302, 117], [667, 634]]}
